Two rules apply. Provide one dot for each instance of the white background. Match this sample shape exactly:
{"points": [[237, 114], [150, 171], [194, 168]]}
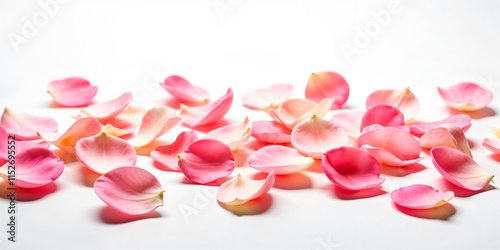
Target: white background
{"points": [[125, 45]]}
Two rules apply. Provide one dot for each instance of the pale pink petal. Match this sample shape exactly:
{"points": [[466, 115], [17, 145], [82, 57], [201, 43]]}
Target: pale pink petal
{"points": [[492, 145], [459, 169], [464, 121], [402, 99], [133, 114], [327, 84], [234, 136], [25, 126], [4, 140], [448, 135], [466, 96], [206, 160], [266, 98], [496, 131], [294, 111], [314, 136], [35, 167], [385, 115], [131, 190], [350, 121], [420, 196], [109, 109], [270, 132], [23, 145], [387, 158], [156, 122], [72, 92], [167, 154], [206, 114], [280, 159], [240, 190], [182, 89], [118, 127]]}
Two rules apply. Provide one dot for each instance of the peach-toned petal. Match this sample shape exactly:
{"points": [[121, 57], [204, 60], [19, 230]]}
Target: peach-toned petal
{"points": [[131, 190], [420, 196], [350, 121], [459, 169], [280, 159], [496, 131], [167, 154], [492, 145], [109, 109], [156, 122], [133, 114], [294, 111], [25, 126], [266, 98], [448, 135], [206, 160], [385, 115], [234, 136], [270, 132], [464, 121], [327, 84], [240, 190], [182, 89], [35, 167], [206, 114], [118, 127], [72, 92], [466, 96], [402, 99], [314, 136]]}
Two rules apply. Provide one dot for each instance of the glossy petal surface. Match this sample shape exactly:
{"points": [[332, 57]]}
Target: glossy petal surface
{"points": [[234, 136], [385, 115], [420, 196], [109, 109], [492, 145], [270, 132], [72, 92], [327, 84], [266, 98], [206, 114], [350, 121], [156, 122], [464, 121], [183, 90], [25, 126], [167, 154], [448, 135], [466, 96], [280, 159], [240, 190], [402, 99], [294, 111]]}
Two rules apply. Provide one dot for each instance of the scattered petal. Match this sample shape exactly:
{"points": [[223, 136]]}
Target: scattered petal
{"points": [[25, 126], [280, 159], [267, 98], [327, 84], [133, 114], [385, 115], [234, 136], [294, 111], [496, 131], [206, 114], [240, 190], [270, 132], [350, 121], [23, 145], [464, 121], [466, 96], [420, 196], [118, 127], [167, 154], [183, 90], [3, 146], [402, 99], [448, 135], [72, 92], [492, 145], [156, 122], [109, 109]]}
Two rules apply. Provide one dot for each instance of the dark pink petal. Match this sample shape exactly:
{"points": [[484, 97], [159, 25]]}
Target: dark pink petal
{"points": [[183, 90], [350, 121], [385, 115], [270, 132], [131, 190], [206, 114], [402, 99], [294, 111], [109, 109], [420, 196], [448, 135], [327, 84], [206, 160], [280, 159], [267, 98], [466, 96], [72, 92], [459, 169], [25, 126], [167, 154], [35, 167], [3, 146], [240, 190], [464, 121], [156, 122], [492, 145], [234, 136]]}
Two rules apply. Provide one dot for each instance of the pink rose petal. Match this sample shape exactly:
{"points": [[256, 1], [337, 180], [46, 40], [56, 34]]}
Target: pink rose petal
{"points": [[4, 146], [240, 190], [109, 109], [462, 120], [131, 190], [402, 99], [266, 98], [282, 160], [206, 160], [183, 90], [294, 111], [133, 114], [23, 145], [492, 145], [25, 126], [270, 132], [118, 127], [156, 122], [350, 121], [385, 115], [466, 96], [420, 196], [448, 135], [327, 84], [167, 154], [234, 136], [459, 169], [72, 92], [351, 168], [206, 114]]}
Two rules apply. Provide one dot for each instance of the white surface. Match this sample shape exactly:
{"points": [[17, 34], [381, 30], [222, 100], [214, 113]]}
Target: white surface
{"points": [[116, 44]]}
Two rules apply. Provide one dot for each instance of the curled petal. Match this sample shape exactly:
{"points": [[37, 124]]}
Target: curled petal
{"points": [[448, 135], [131, 190], [402, 99], [385, 115], [167, 154], [183, 90], [25, 126], [234, 136], [206, 114], [314, 136], [270, 132], [72, 92], [156, 122], [496, 131], [294, 111], [420, 196], [240, 190], [459, 169], [351, 168], [492, 145], [464, 121], [350, 121], [327, 84], [266, 98], [109, 109], [118, 127], [466, 96], [206, 160], [282, 160]]}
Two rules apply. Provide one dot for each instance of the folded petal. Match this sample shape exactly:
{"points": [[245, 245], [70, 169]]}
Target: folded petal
{"points": [[266, 98], [464, 121], [240, 190], [117, 127], [351, 168], [280, 159], [327, 84], [385, 115], [109, 109], [314, 136], [270, 132], [182, 89], [206, 114], [492, 145], [206, 160], [496, 131], [234, 136], [459, 169], [420, 196], [167, 154], [25, 126], [72, 92], [156, 122], [350, 121], [402, 99], [294, 111], [448, 135], [131, 190], [466, 96]]}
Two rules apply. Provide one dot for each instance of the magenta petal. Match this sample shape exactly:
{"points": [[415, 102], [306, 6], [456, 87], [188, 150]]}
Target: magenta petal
{"points": [[402, 99], [109, 109], [234, 136], [206, 160], [350, 121], [3, 146], [420, 196], [294, 111], [156, 122], [266, 98], [385, 115], [466, 96], [270, 132], [72, 92], [327, 84], [25, 126], [131, 190], [240, 190], [464, 121], [492, 145], [167, 154], [449, 135], [282, 160], [183, 90], [206, 114]]}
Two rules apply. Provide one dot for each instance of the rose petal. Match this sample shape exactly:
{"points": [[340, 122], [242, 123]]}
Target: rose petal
{"points": [[118, 127], [492, 145], [350, 121], [240, 190], [206, 114], [133, 114], [72, 92], [496, 131], [156, 122], [266, 98], [466, 96], [420, 196], [280, 159], [234, 136], [270, 132], [459, 169], [448, 135], [167, 154], [183, 90], [3, 146], [25, 126], [109, 109], [23, 145], [327, 84], [464, 121], [385, 115], [35, 167], [402, 99], [206, 160], [294, 111], [314, 136], [131, 190]]}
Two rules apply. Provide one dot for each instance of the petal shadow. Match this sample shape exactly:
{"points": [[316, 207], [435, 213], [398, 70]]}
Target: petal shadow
{"points": [[241, 157], [402, 171], [445, 185], [288, 182], [443, 212], [251, 207], [477, 114], [316, 167], [164, 168], [209, 127], [344, 194], [110, 215], [495, 157], [88, 177], [27, 194], [215, 183], [146, 150]]}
